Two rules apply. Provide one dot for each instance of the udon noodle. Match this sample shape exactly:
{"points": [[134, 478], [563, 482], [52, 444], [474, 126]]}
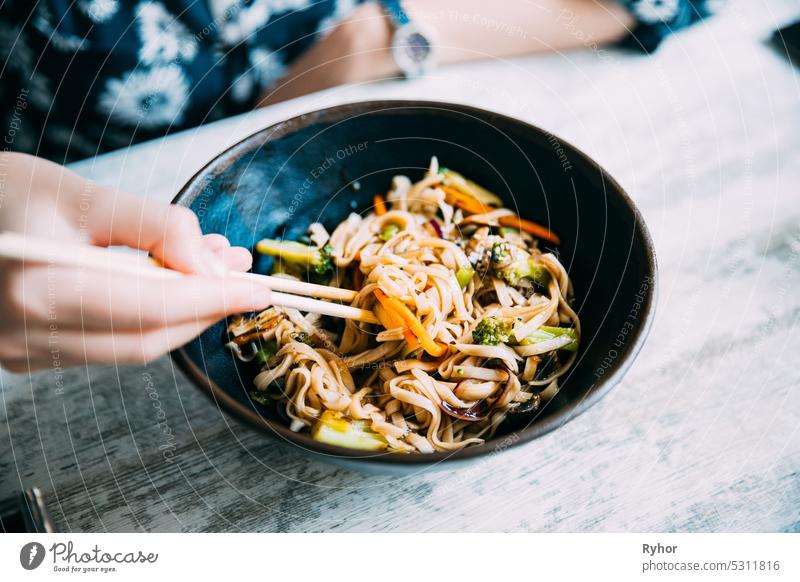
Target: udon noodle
{"points": [[476, 322]]}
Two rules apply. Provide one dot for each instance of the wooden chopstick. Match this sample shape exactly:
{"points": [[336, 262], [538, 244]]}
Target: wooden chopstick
{"points": [[17, 246], [298, 287]]}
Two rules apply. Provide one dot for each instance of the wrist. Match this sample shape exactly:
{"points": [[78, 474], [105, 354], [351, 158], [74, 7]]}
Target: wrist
{"points": [[357, 50], [367, 36]]}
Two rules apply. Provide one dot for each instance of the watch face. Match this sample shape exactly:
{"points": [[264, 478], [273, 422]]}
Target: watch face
{"points": [[419, 48], [413, 50]]}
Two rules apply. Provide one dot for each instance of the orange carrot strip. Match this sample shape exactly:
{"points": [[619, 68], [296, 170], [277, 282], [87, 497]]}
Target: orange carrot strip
{"points": [[391, 320], [537, 230], [464, 201], [380, 205], [395, 306]]}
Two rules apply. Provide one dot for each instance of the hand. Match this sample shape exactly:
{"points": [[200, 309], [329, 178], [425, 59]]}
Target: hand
{"points": [[53, 316]]}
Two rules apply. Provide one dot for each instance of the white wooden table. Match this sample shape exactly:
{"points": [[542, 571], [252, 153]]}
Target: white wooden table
{"points": [[701, 435]]}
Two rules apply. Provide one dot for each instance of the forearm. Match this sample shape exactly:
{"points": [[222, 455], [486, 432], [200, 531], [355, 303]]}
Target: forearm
{"points": [[470, 30], [358, 49]]}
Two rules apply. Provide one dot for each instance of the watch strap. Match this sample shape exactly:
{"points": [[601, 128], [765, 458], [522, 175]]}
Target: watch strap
{"points": [[394, 9]]}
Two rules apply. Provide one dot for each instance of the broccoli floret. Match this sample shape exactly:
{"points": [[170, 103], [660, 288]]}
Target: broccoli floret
{"points": [[501, 253], [512, 264], [518, 270], [322, 262], [304, 338], [492, 331], [259, 398]]}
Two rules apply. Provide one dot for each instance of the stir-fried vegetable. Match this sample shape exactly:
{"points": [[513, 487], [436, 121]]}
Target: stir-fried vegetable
{"points": [[304, 338], [467, 195], [379, 204], [298, 254], [501, 254], [388, 231], [396, 308], [512, 264], [390, 320], [492, 331], [530, 227], [259, 397], [464, 201], [527, 269], [508, 231], [436, 228], [334, 429], [265, 351], [547, 332], [459, 182], [464, 276]]}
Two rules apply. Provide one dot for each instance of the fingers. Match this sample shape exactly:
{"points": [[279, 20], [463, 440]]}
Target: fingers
{"points": [[235, 258], [99, 317], [170, 233], [174, 237], [64, 203], [79, 328], [96, 301], [41, 348], [215, 242], [87, 331]]}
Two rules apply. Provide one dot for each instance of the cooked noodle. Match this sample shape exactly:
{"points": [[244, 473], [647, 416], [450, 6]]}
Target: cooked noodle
{"points": [[426, 384]]}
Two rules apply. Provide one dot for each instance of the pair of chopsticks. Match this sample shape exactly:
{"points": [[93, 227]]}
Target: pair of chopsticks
{"points": [[285, 292]]}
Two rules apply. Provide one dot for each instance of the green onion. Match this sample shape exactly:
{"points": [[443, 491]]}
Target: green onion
{"points": [[464, 276], [259, 397], [266, 351], [389, 231], [547, 332]]}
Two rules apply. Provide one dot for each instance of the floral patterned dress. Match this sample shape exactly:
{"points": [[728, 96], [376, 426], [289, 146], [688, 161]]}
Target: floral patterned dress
{"points": [[80, 77]]}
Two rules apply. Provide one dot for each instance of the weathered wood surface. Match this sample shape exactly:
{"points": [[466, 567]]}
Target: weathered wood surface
{"points": [[702, 434]]}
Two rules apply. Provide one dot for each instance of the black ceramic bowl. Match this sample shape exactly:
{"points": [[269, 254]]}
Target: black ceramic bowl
{"points": [[326, 164]]}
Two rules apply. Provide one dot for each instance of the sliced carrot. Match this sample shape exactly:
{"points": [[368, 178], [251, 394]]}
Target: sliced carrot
{"points": [[388, 319], [536, 230], [391, 320], [464, 201], [398, 309], [380, 205]]}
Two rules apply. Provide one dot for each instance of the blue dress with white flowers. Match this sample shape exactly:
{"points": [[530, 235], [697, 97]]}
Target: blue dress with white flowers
{"points": [[79, 77]]}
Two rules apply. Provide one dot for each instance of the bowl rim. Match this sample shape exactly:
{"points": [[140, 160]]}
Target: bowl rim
{"points": [[571, 410]]}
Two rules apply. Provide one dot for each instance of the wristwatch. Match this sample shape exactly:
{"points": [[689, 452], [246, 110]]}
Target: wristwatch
{"points": [[413, 47]]}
